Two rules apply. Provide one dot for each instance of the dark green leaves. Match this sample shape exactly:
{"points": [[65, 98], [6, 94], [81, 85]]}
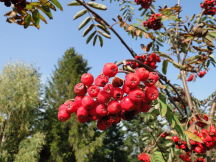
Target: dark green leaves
{"points": [[164, 66], [84, 22], [27, 21]]}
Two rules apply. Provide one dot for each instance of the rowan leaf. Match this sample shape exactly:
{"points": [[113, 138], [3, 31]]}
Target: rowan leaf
{"points": [[57, 4], [90, 37], [87, 30], [97, 6], [100, 40], [79, 14], [104, 34], [27, 20], [164, 66], [84, 22], [74, 3], [193, 136]]}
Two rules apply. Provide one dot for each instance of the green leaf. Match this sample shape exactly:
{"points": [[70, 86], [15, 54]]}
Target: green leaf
{"points": [[104, 34], [193, 136], [97, 6], [102, 27], [84, 22], [164, 66], [79, 14], [57, 4], [74, 3], [36, 17], [46, 10], [90, 37], [87, 30], [95, 39], [27, 21], [42, 18], [163, 105], [100, 40], [157, 157]]}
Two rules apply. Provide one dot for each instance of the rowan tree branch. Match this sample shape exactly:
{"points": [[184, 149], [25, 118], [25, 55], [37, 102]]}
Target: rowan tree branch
{"points": [[133, 54]]}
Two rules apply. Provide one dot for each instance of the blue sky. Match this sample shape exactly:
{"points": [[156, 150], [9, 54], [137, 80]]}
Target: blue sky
{"points": [[44, 47]]}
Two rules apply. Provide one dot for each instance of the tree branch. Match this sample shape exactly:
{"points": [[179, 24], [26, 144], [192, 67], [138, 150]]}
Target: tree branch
{"points": [[133, 54]]}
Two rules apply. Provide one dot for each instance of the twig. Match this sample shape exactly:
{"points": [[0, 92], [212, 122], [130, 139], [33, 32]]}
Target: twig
{"points": [[109, 26]]}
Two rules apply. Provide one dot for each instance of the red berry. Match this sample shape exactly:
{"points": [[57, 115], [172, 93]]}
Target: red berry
{"points": [[190, 78], [110, 69], [62, 107], [151, 93], [82, 114], [103, 124], [103, 97], [132, 80], [118, 93], [143, 157], [117, 82], [80, 89], [145, 108], [201, 73], [63, 115], [114, 107], [101, 80], [71, 106], [198, 149], [109, 89], [175, 139], [127, 104], [93, 91], [142, 73], [87, 79], [101, 110], [87, 102], [136, 95]]}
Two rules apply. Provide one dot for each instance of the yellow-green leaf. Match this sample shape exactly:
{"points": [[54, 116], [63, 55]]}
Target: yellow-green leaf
{"points": [[57, 4], [104, 34], [27, 21], [74, 3], [97, 5], [79, 14], [193, 136], [84, 22], [87, 30]]}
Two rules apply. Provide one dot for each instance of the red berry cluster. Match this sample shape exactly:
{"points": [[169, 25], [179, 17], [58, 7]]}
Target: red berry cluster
{"points": [[17, 3], [149, 60], [108, 103], [209, 7], [186, 158], [144, 3], [154, 22], [200, 74], [143, 157], [208, 138]]}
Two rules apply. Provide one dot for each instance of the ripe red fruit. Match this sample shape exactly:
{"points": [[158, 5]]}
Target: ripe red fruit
{"points": [[136, 95], [154, 22], [82, 114], [143, 157], [183, 147], [151, 93], [191, 77], [132, 80], [109, 89], [103, 97], [62, 107], [126, 89], [201, 73], [142, 73], [63, 115], [87, 79], [110, 69], [118, 93], [114, 107], [93, 91], [87, 102], [101, 80], [71, 106], [198, 149], [101, 110], [114, 119], [127, 104], [80, 89], [175, 139]]}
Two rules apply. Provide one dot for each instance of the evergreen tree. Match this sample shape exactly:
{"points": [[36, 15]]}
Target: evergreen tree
{"points": [[69, 141]]}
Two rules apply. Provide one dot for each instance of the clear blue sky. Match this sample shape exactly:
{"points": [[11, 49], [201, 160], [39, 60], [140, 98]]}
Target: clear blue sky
{"points": [[44, 47]]}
